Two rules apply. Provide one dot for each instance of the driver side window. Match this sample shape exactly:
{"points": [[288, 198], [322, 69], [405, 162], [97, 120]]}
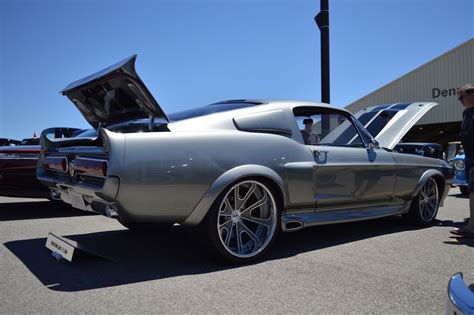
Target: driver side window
{"points": [[325, 126]]}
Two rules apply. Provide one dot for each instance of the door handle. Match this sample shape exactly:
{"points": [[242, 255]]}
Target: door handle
{"points": [[319, 152], [320, 156]]}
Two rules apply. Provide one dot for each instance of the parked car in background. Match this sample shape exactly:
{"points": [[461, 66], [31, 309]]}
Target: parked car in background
{"points": [[454, 148], [8, 142], [238, 168], [460, 296], [460, 179], [456, 158], [433, 150], [29, 141], [18, 165]]}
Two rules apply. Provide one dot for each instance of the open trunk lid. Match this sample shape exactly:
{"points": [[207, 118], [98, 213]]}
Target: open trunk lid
{"points": [[389, 123], [114, 95]]}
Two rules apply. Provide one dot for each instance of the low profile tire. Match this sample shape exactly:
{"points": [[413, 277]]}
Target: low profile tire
{"points": [[144, 227], [424, 207], [244, 221], [464, 190]]}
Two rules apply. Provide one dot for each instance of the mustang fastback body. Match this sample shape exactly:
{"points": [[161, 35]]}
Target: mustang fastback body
{"points": [[240, 168]]}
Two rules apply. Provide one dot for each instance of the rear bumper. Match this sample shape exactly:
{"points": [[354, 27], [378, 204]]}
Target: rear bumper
{"points": [[95, 199]]}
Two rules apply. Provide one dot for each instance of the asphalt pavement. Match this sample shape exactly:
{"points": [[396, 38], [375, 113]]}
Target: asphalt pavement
{"points": [[378, 266]]}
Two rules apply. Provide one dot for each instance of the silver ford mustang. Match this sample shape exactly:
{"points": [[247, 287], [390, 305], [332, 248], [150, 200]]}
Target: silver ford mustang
{"points": [[243, 170]]}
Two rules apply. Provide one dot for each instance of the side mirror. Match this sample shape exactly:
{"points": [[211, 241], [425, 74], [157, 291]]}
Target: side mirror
{"points": [[373, 144]]}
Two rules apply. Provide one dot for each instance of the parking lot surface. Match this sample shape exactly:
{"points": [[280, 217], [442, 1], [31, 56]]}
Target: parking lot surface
{"points": [[375, 266]]}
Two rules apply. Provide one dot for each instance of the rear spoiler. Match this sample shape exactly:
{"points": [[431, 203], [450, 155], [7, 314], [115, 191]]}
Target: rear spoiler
{"points": [[51, 145]]}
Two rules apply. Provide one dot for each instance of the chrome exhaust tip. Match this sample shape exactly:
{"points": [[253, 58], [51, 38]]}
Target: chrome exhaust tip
{"points": [[111, 212], [293, 225], [55, 195]]}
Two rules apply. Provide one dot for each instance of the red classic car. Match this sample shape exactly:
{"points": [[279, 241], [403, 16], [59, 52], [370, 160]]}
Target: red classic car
{"points": [[18, 165]]}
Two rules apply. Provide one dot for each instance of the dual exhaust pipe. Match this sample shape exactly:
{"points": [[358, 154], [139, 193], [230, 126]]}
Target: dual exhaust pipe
{"points": [[109, 211]]}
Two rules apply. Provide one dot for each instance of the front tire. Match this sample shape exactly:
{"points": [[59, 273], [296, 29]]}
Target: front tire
{"points": [[244, 221], [425, 205]]}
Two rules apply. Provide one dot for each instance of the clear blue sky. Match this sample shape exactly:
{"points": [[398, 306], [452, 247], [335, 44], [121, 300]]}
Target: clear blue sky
{"points": [[194, 52]]}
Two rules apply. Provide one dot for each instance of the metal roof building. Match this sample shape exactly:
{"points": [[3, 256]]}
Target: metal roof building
{"points": [[436, 81]]}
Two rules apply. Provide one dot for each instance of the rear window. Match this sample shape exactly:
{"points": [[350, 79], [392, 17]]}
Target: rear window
{"points": [[210, 109], [87, 134]]}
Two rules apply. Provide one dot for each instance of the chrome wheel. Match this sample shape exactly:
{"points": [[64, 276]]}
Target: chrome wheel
{"points": [[247, 219], [428, 200]]}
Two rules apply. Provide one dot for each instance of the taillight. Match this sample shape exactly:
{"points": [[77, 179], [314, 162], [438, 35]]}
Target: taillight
{"points": [[91, 167], [55, 163]]}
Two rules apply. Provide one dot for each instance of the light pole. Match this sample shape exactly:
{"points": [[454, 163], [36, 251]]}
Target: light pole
{"points": [[322, 20]]}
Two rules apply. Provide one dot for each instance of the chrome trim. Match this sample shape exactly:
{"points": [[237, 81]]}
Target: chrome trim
{"points": [[91, 159], [331, 217]]}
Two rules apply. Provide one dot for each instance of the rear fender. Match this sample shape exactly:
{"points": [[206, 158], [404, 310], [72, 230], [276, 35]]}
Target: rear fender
{"points": [[114, 145], [226, 179]]}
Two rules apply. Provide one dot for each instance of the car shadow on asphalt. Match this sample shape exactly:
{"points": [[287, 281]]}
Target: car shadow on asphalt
{"points": [[11, 211], [147, 257], [459, 195]]}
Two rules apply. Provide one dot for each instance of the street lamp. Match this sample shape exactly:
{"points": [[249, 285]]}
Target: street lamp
{"points": [[322, 20]]}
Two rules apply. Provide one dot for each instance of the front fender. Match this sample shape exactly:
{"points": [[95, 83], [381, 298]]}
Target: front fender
{"points": [[226, 179], [424, 178]]}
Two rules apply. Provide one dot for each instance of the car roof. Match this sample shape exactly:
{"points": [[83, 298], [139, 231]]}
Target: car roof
{"points": [[284, 103]]}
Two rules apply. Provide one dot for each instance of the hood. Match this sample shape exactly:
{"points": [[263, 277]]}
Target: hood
{"points": [[113, 95], [389, 123]]}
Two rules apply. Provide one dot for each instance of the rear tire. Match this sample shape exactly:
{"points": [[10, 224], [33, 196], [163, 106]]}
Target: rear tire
{"points": [[424, 207], [464, 190], [244, 221]]}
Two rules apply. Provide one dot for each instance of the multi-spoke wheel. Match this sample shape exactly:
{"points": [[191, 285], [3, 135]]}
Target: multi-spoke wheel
{"points": [[244, 221], [424, 207]]}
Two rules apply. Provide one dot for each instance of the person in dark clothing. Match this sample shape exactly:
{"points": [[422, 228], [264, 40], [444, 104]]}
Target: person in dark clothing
{"points": [[466, 97], [308, 136]]}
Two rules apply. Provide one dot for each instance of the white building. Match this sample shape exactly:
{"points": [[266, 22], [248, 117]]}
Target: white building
{"points": [[436, 81]]}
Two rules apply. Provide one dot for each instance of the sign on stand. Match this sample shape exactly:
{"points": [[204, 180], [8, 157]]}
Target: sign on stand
{"points": [[64, 248]]}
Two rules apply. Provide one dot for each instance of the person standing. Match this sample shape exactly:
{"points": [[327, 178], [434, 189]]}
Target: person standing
{"points": [[466, 97]]}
